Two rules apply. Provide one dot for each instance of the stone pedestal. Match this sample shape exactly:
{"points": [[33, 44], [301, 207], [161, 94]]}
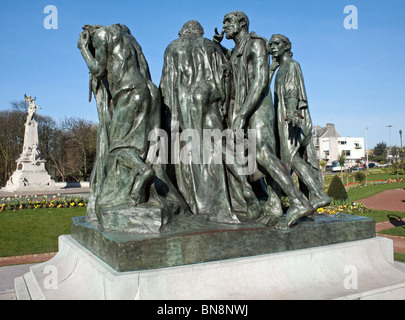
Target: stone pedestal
{"points": [[198, 241], [323, 257], [362, 269], [29, 176]]}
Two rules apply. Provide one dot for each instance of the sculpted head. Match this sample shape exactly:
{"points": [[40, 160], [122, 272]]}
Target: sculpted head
{"points": [[191, 28], [91, 28], [124, 28], [280, 45], [234, 23]]}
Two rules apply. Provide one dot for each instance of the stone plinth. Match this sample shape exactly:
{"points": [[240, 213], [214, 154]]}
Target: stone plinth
{"points": [[29, 176], [362, 269], [214, 242]]}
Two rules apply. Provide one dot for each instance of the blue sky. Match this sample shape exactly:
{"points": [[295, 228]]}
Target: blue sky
{"points": [[354, 78]]}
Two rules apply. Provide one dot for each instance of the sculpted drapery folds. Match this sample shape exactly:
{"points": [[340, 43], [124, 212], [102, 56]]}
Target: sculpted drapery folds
{"points": [[194, 89], [294, 124], [128, 105], [252, 108]]}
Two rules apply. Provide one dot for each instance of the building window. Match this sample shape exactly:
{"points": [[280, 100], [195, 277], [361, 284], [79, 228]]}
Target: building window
{"points": [[346, 152]]}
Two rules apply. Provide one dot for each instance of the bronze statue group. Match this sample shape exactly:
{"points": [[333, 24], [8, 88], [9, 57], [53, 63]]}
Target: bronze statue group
{"points": [[204, 86]]}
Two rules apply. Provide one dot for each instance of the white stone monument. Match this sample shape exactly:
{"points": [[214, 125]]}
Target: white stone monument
{"points": [[30, 173]]}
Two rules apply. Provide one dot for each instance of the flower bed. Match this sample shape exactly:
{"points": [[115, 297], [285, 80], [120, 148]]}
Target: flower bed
{"points": [[344, 207], [350, 206], [351, 186], [35, 202]]}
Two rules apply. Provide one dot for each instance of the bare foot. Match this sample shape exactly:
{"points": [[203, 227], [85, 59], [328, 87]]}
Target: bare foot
{"points": [[272, 207], [297, 210], [320, 201]]}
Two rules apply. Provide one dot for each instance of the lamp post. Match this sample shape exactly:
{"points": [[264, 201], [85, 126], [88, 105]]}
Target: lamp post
{"points": [[400, 139], [366, 155], [389, 128]]}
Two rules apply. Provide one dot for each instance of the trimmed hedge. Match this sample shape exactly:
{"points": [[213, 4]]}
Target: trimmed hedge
{"points": [[336, 189]]}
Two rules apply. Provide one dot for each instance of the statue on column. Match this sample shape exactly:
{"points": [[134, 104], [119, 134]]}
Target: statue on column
{"points": [[32, 108], [30, 173]]}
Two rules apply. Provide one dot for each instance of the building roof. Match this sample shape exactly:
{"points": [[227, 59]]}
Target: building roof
{"points": [[326, 132]]}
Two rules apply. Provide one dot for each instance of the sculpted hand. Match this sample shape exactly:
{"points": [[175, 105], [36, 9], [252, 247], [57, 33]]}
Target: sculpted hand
{"points": [[218, 37], [293, 117], [274, 65], [84, 40]]}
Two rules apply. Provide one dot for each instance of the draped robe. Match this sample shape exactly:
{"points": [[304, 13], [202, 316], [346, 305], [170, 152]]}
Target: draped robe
{"points": [[193, 88]]}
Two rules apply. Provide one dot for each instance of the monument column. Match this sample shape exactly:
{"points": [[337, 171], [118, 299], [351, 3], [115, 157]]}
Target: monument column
{"points": [[30, 173]]}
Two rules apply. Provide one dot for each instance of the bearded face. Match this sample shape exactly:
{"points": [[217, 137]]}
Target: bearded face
{"points": [[232, 26]]}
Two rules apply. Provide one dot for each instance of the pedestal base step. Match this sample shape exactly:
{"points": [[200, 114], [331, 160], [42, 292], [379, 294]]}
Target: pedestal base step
{"points": [[361, 269]]}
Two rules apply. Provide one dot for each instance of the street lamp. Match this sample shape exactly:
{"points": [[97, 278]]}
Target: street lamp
{"points": [[400, 139], [366, 155], [389, 128]]}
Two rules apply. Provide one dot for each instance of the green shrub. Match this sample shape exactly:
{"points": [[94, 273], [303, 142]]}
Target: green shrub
{"points": [[359, 176], [336, 189]]}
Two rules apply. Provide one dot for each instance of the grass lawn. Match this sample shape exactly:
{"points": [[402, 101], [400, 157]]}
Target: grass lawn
{"points": [[397, 231], [383, 215], [399, 256], [31, 231], [365, 192]]}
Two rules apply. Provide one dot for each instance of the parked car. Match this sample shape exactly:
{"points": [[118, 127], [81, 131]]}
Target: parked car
{"points": [[336, 167], [370, 165], [328, 168], [352, 169], [383, 165]]}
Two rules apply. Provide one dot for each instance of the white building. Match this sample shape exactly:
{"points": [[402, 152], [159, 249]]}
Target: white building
{"points": [[329, 144]]}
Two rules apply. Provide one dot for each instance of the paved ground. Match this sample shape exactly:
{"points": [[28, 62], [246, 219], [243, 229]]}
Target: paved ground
{"points": [[391, 200], [7, 276], [12, 267], [32, 258]]}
